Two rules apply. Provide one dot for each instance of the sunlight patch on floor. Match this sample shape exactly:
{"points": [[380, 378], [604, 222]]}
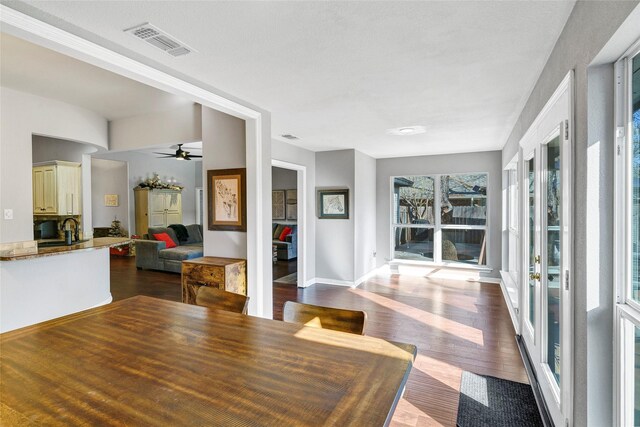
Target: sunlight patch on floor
{"points": [[449, 326], [407, 414], [444, 372]]}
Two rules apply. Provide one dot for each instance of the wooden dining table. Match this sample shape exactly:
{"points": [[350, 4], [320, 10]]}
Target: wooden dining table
{"points": [[146, 361]]}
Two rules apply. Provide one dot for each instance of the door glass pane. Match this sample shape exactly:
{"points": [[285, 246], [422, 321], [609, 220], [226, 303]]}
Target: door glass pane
{"points": [[635, 182], [552, 257], [466, 246], [413, 200], [413, 243], [464, 199], [532, 239]]}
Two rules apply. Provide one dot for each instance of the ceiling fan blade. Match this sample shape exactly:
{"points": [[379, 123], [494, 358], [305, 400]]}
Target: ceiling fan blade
{"points": [[194, 155], [166, 154]]}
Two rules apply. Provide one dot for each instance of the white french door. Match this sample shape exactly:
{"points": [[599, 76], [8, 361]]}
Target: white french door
{"points": [[547, 254]]}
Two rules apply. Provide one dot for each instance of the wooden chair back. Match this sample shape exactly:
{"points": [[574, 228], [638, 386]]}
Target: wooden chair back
{"points": [[219, 299], [338, 319]]}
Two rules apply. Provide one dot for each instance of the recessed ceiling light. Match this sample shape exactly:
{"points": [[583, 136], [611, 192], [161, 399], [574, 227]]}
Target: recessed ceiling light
{"points": [[407, 130]]}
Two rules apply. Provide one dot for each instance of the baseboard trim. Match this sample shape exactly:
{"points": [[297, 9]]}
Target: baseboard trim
{"points": [[334, 282], [513, 311], [535, 386]]}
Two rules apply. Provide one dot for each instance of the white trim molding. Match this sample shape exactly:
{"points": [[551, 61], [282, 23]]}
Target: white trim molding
{"points": [[303, 241]]}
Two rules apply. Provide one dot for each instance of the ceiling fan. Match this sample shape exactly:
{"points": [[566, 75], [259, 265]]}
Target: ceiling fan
{"points": [[180, 154]]}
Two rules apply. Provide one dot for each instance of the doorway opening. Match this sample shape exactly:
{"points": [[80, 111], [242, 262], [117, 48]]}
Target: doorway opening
{"points": [[288, 223]]}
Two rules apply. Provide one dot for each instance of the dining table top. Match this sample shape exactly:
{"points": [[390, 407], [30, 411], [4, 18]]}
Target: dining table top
{"points": [[146, 361]]}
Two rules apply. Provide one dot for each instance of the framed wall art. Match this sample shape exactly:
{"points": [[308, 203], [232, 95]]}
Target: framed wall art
{"points": [[111, 200], [278, 204], [226, 191], [333, 204]]}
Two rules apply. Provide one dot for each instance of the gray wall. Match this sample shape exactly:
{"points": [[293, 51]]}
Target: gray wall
{"points": [[143, 166], [290, 153], [109, 177], [283, 179], [489, 161], [334, 237], [45, 149], [223, 147], [589, 27], [364, 213]]}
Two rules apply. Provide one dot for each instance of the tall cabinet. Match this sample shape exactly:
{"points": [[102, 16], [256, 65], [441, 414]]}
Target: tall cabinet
{"points": [[156, 208], [57, 188]]}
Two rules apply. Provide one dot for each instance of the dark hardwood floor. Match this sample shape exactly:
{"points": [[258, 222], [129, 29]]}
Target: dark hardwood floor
{"points": [[456, 326], [284, 268]]}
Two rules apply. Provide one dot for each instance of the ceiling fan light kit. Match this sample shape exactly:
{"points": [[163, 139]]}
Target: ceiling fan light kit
{"points": [[180, 154]]}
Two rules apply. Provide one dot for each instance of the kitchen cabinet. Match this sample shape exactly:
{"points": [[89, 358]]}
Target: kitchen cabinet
{"points": [[57, 188], [157, 208]]}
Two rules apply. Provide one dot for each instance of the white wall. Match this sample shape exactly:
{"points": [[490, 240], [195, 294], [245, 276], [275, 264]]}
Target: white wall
{"points": [[176, 126], [588, 29], [22, 116], [334, 237], [143, 166], [489, 162], [223, 147], [109, 177], [364, 213], [290, 153]]}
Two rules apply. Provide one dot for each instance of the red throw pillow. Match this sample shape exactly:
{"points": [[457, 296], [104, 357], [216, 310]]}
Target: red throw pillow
{"points": [[285, 233], [165, 238]]}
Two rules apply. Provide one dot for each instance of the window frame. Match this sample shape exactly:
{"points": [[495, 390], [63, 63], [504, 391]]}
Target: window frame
{"points": [[627, 310], [438, 227]]}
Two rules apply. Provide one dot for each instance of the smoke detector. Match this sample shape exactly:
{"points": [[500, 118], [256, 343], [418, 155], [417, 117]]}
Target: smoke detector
{"points": [[160, 39]]}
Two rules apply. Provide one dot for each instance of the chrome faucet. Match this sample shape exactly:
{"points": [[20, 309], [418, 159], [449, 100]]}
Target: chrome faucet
{"points": [[76, 232]]}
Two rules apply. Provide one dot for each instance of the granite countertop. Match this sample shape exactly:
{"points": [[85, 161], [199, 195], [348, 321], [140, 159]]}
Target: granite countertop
{"points": [[91, 244]]}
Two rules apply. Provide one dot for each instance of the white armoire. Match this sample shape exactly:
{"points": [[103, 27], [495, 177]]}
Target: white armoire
{"points": [[156, 208]]}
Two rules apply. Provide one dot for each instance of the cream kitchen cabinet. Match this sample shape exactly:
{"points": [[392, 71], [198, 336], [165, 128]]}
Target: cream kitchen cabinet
{"points": [[157, 208], [57, 188]]}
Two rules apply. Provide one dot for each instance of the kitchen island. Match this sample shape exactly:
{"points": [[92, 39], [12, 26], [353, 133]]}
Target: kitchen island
{"points": [[54, 281]]}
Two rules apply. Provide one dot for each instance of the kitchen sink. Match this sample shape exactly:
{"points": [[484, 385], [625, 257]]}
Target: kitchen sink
{"points": [[54, 243]]}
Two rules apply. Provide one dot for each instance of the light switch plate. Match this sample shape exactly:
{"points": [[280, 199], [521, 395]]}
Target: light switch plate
{"points": [[8, 214]]}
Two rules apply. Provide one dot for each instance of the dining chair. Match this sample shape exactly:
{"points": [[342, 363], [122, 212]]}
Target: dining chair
{"points": [[317, 316], [219, 299]]}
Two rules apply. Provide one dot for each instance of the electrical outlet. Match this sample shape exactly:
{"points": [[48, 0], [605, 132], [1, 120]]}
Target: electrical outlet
{"points": [[8, 214]]}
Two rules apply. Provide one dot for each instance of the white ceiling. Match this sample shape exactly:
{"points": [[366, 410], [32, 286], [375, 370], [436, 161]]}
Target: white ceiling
{"points": [[339, 74]]}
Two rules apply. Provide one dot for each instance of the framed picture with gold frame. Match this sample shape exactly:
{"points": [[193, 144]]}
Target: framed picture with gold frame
{"points": [[226, 192]]}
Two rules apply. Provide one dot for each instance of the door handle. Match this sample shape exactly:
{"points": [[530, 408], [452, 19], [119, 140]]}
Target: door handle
{"points": [[534, 276]]}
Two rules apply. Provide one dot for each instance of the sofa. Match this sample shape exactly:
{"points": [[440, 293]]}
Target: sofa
{"points": [[287, 249], [152, 254]]}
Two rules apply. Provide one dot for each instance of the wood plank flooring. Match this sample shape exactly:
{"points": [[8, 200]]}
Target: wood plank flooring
{"points": [[456, 326]]}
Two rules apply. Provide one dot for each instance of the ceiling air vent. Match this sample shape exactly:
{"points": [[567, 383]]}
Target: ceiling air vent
{"points": [[289, 136], [158, 38]]}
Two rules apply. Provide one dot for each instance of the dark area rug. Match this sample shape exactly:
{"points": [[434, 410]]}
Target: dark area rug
{"points": [[490, 401]]}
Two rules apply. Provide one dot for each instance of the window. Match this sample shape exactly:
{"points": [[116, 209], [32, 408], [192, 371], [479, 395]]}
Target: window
{"points": [[511, 218], [628, 239], [440, 218]]}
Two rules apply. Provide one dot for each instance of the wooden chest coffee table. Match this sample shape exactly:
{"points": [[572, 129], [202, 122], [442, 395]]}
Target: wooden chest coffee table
{"points": [[229, 274]]}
